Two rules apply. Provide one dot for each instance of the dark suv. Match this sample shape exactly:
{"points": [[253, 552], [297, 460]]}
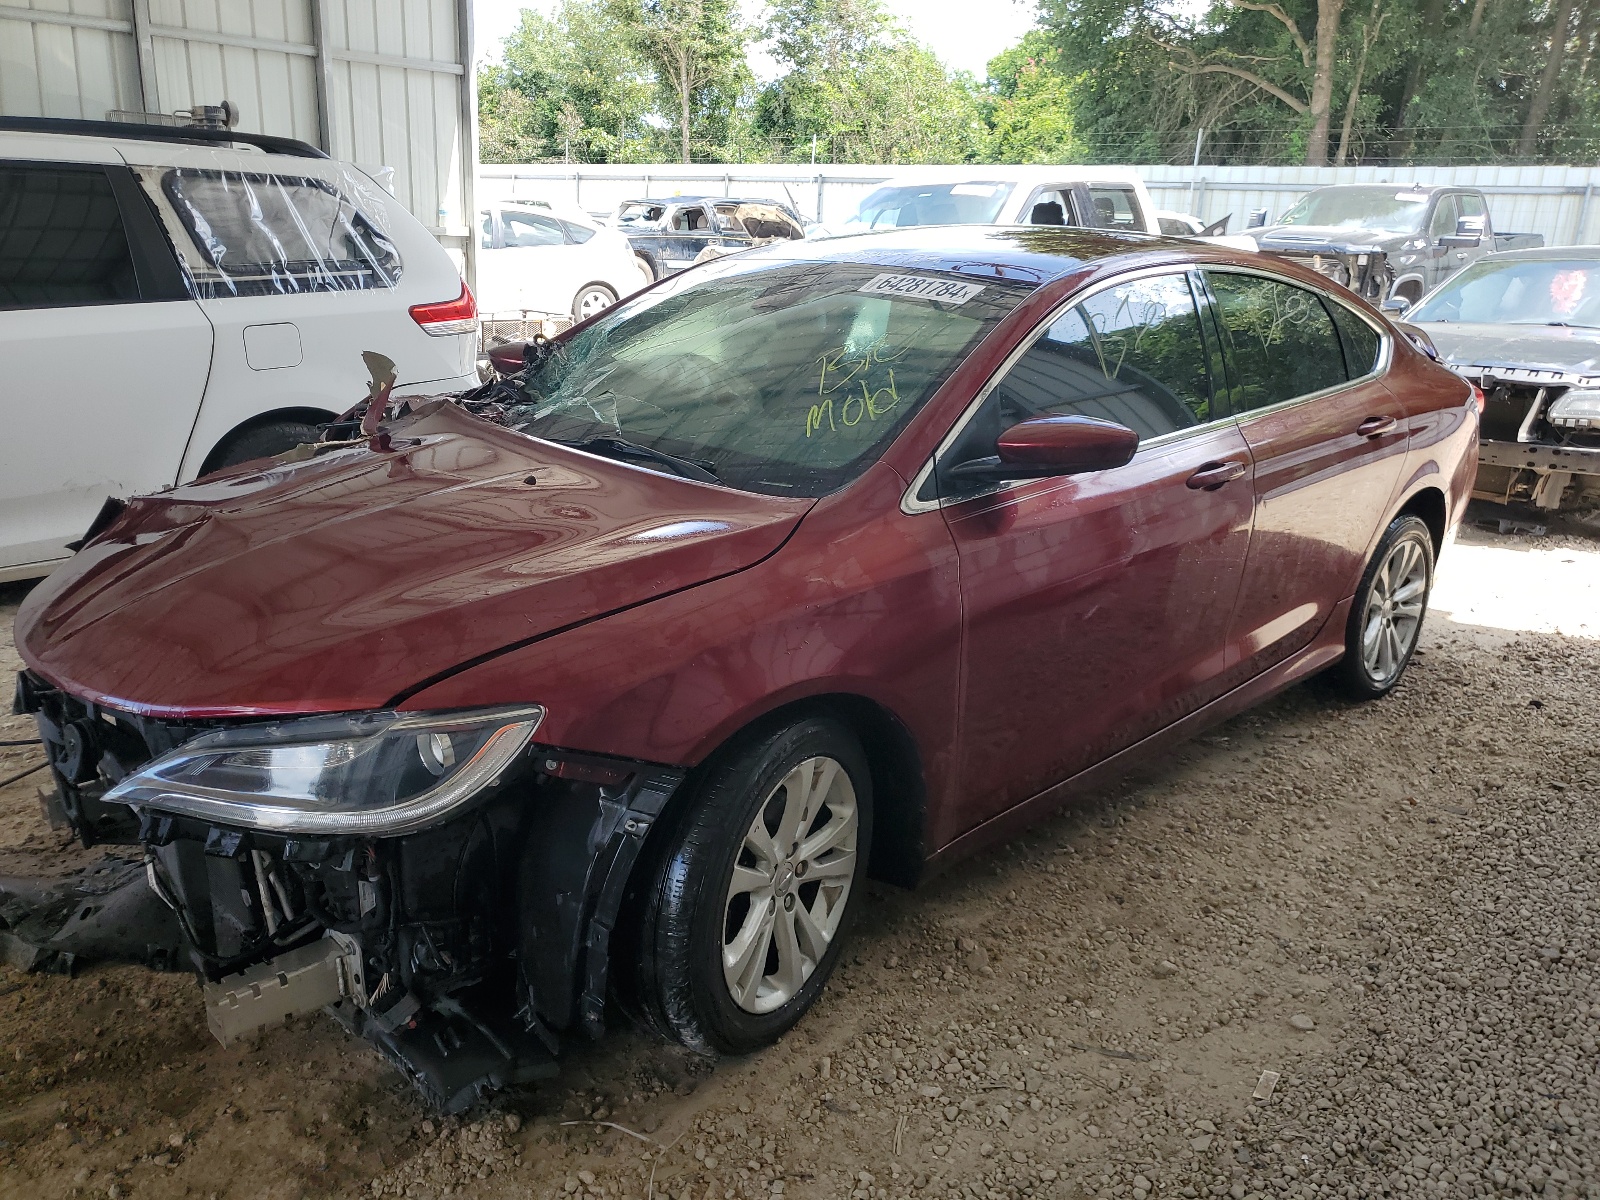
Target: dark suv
{"points": [[669, 235]]}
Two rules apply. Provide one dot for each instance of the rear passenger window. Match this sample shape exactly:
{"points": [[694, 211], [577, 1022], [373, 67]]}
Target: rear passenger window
{"points": [[527, 229], [61, 240], [1280, 340], [260, 235], [578, 234], [1130, 354], [1361, 341], [1115, 208]]}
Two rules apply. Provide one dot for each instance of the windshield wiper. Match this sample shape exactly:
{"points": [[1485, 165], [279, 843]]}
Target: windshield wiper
{"points": [[690, 468]]}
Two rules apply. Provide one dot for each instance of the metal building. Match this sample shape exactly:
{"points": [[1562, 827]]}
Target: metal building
{"points": [[375, 82]]}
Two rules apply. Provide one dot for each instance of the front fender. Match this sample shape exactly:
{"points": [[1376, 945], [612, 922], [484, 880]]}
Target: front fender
{"points": [[866, 606]]}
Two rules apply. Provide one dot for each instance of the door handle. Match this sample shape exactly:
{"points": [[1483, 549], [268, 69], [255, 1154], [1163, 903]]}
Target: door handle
{"points": [[1375, 426], [1214, 474]]}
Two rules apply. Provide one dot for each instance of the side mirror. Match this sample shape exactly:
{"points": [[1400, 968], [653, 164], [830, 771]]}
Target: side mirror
{"points": [[1395, 306], [1219, 228], [1469, 232], [509, 357], [1257, 218], [1047, 446]]}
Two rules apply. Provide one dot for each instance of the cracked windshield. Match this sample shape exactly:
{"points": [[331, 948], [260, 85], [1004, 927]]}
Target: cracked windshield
{"points": [[787, 378]]}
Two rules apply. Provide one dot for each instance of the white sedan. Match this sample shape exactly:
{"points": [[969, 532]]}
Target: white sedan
{"points": [[534, 259]]}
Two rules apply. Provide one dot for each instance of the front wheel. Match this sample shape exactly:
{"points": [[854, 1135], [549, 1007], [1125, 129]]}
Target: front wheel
{"points": [[752, 899], [1386, 618]]}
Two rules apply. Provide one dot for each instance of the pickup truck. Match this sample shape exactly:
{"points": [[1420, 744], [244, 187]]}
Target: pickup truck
{"points": [[1386, 241]]}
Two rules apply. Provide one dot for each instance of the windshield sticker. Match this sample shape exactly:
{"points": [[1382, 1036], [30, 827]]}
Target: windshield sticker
{"points": [[922, 288], [1416, 197], [975, 189]]}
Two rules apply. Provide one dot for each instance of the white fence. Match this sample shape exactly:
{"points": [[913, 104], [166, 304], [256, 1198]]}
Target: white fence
{"points": [[1557, 202]]}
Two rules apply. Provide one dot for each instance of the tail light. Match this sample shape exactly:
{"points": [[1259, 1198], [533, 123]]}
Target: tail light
{"points": [[448, 317], [1478, 399]]}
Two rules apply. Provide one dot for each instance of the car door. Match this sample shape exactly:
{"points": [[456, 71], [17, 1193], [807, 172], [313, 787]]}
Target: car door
{"points": [[1441, 258], [1052, 206], [540, 263], [1096, 606], [1329, 442], [690, 229], [105, 354]]}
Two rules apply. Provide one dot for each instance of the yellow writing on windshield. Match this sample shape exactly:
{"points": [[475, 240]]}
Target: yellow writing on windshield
{"points": [[842, 367], [870, 404]]}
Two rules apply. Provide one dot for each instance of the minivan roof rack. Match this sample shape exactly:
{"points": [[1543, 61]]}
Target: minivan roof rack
{"points": [[132, 131]]}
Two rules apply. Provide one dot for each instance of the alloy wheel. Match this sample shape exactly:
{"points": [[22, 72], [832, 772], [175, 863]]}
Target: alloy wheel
{"points": [[790, 885], [592, 301], [1393, 613]]}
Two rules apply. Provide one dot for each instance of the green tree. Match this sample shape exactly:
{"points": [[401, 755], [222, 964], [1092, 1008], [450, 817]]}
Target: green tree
{"points": [[1029, 109], [866, 92], [568, 86], [697, 51]]}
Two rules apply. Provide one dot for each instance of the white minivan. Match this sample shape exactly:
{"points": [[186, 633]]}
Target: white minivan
{"points": [[176, 300], [1094, 197]]}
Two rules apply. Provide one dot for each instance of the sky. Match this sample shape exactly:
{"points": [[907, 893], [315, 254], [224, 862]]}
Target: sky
{"points": [[964, 34]]}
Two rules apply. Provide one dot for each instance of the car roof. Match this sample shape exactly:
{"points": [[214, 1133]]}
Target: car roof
{"points": [[1036, 253], [1547, 254], [1416, 188]]}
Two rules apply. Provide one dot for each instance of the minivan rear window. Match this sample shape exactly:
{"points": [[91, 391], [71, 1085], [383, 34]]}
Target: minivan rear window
{"points": [[260, 234]]}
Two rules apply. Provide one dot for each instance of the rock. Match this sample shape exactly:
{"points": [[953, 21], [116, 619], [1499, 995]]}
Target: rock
{"points": [[1164, 969], [1200, 1144], [1302, 1022]]}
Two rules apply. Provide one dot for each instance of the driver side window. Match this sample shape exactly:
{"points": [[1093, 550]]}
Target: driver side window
{"points": [[1132, 354]]}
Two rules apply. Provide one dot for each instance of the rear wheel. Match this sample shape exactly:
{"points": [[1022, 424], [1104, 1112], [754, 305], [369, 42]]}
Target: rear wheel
{"points": [[263, 441], [592, 298], [1386, 618], [752, 899], [645, 268]]}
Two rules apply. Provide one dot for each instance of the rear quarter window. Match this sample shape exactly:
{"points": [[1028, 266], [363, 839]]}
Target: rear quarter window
{"points": [[259, 234], [61, 240]]}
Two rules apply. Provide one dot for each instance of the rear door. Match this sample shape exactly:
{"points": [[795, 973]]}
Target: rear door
{"points": [[104, 354], [540, 268], [690, 229], [1329, 442], [300, 265]]}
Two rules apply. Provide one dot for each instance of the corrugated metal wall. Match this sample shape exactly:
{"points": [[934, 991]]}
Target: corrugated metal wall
{"points": [[1557, 202], [376, 82]]}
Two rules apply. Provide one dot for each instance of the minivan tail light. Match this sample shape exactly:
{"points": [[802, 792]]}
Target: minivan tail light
{"points": [[1477, 398], [448, 317]]}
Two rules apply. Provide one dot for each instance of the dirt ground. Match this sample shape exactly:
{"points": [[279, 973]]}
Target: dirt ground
{"points": [[1392, 908]]}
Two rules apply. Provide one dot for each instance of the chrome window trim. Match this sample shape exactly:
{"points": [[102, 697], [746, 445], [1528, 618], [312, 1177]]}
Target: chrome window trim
{"points": [[911, 505]]}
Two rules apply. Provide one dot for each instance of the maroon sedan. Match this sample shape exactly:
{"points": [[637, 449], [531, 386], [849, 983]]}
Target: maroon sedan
{"points": [[618, 677]]}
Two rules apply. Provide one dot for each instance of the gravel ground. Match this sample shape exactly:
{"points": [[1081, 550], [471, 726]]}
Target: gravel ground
{"points": [[1391, 910]]}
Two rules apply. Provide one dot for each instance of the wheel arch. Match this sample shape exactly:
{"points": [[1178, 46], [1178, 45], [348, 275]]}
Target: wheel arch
{"points": [[899, 789], [1428, 503], [311, 416]]}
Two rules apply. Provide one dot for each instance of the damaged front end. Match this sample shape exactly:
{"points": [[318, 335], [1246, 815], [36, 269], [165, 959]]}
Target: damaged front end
{"points": [[1361, 269], [1540, 442], [441, 883]]}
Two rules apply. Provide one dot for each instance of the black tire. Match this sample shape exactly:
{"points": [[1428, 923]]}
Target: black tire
{"points": [[678, 982], [1356, 674], [598, 291], [263, 441]]}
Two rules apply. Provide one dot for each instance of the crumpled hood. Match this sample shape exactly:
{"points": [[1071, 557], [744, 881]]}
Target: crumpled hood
{"points": [[341, 582], [1311, 238], [1536, 347]]}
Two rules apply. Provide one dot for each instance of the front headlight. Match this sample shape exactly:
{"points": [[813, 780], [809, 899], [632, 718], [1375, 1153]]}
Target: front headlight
{"points": [[383, 773], [1578, 408]]}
